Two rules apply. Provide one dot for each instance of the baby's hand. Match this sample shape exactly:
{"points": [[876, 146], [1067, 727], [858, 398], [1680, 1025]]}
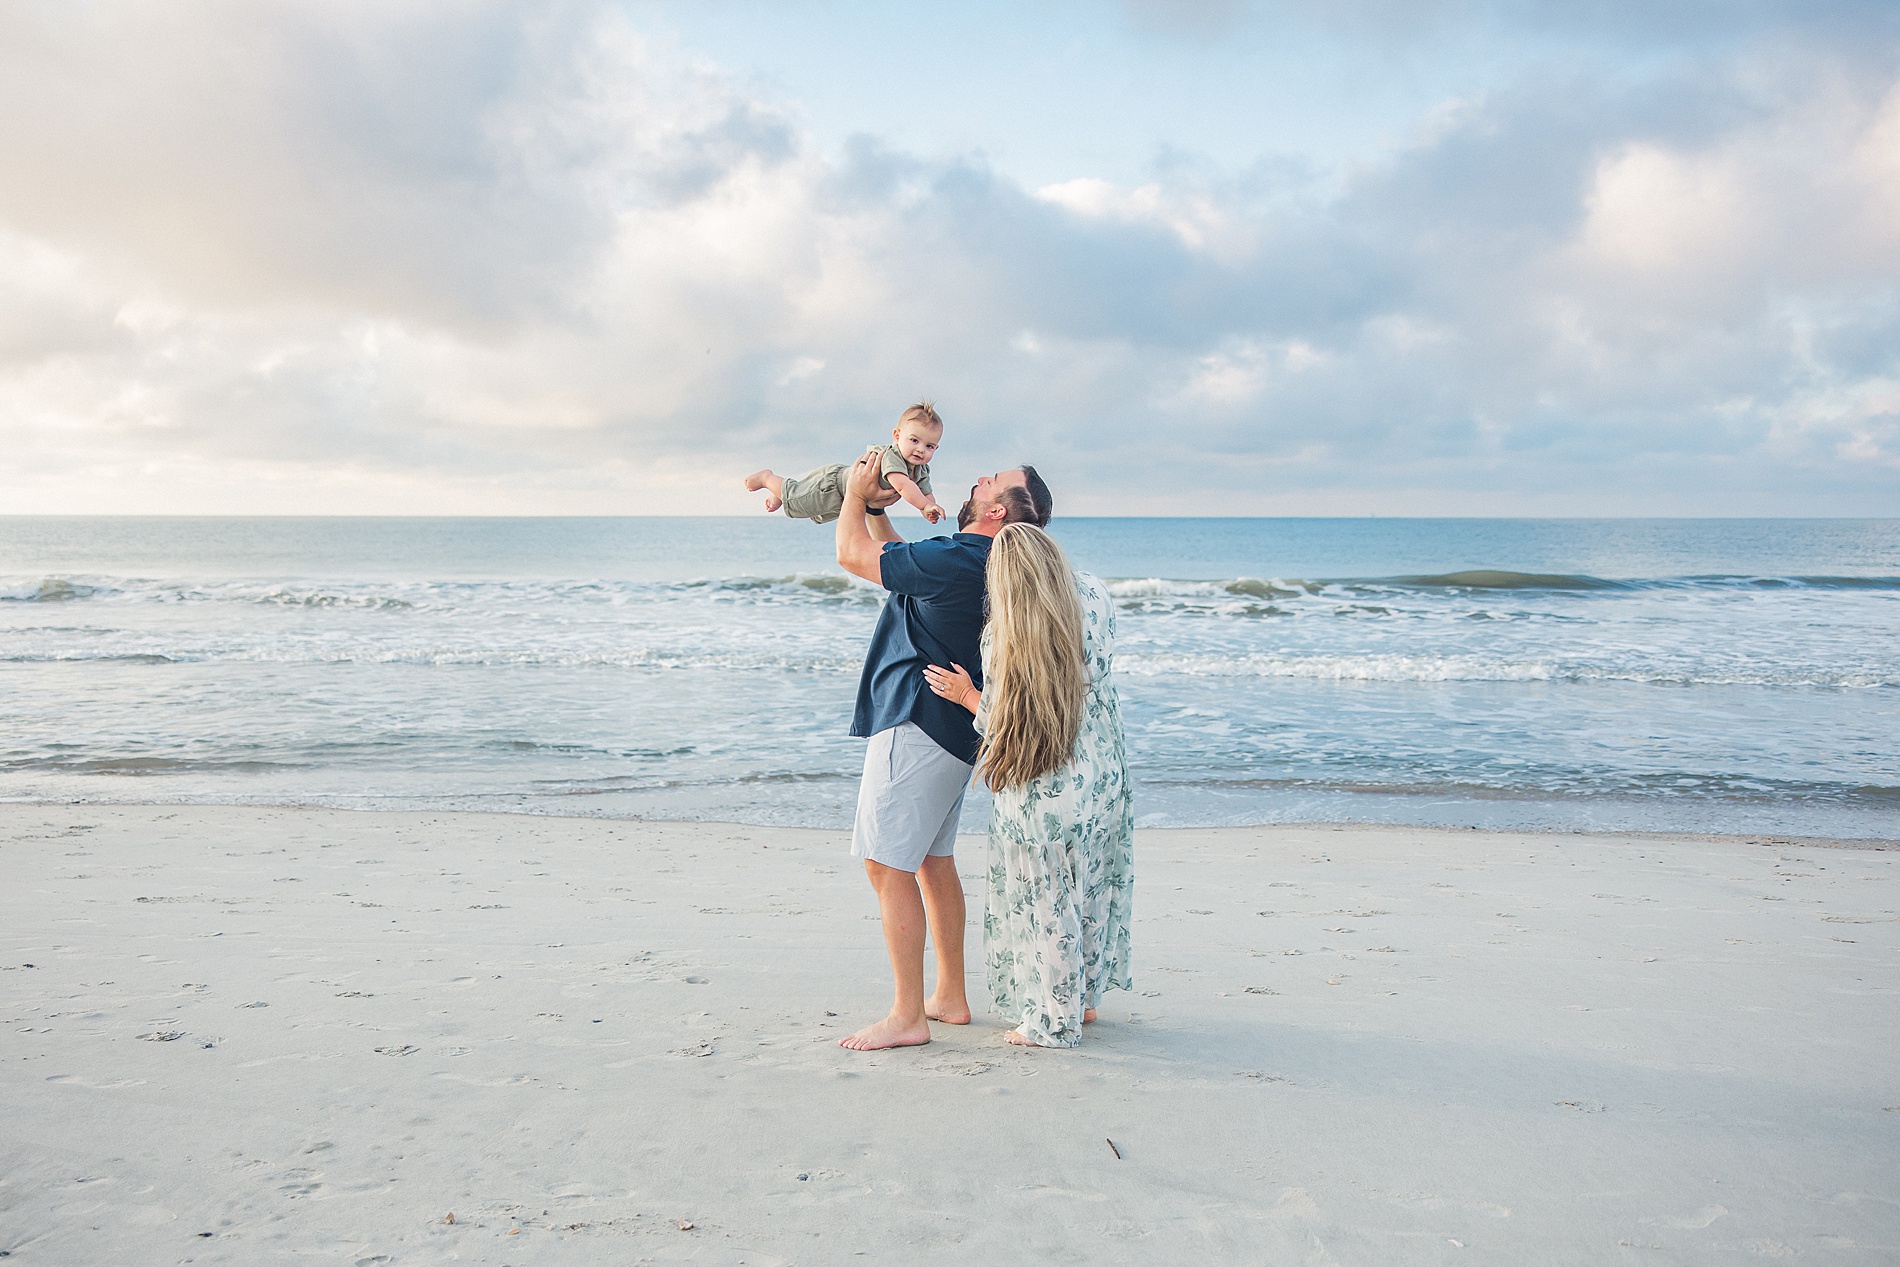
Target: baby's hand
{"points": [[935, 513]]}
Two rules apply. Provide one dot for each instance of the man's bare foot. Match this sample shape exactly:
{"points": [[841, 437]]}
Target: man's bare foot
{"points": [[772, 504], [1088, 1017], [950, 1012], [888, 1032]]}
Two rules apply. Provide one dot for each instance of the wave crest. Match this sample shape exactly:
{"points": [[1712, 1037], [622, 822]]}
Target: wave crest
{"points": [[1415, 668], [52, 589], [1493, 579]]}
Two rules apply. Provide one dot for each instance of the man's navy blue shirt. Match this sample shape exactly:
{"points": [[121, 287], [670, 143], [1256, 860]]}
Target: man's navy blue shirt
{"points": [[933, 616]]}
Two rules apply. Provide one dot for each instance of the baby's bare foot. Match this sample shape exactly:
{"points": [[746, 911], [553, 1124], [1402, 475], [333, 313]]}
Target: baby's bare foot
{"points": [[772, 504], [888, 1032], [755, 481]]}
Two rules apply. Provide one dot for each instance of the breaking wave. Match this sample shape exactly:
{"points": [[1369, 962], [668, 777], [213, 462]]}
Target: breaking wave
{"points": [[52, 589], [405, 595], [493, 657], [1455, 668]]}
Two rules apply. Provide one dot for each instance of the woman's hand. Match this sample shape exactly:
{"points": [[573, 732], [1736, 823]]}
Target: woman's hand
{"points": [[953, 684]]}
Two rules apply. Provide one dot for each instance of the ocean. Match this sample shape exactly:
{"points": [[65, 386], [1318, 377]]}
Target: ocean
{"points": [[1668, 675]]}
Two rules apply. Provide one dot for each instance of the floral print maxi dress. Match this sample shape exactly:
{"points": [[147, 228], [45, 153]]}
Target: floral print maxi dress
{"points": [[1061, 862]]}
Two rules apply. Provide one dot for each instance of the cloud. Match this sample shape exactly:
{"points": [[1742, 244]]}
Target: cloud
{"points": [[1612, 21], [454, 257]]}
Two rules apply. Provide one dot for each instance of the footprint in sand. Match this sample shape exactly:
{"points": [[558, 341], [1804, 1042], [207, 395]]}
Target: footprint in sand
{"points": [[301, 1182], [519, 1080], [71, 1080], [1694, 1222]]}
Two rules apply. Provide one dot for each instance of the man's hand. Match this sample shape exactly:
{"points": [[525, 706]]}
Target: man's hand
{"points": [[861, 538], [864, 483]]}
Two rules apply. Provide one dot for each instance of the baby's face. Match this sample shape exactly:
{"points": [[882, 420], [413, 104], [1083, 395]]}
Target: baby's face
{"points": [[916, 441]]}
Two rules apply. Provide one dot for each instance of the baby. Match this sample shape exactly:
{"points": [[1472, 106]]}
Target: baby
{"points": [[819, 495]]}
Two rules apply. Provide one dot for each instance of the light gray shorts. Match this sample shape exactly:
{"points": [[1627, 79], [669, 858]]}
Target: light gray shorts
{"points": [[909, 799], [816, 495]]}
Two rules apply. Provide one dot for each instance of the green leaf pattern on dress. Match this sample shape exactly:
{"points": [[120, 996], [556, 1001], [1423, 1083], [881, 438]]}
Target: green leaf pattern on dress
{"points": [[1061, 862]]}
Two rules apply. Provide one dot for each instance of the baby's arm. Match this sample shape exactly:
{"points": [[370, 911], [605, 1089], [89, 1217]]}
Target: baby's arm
{"points": [[906, 488]]}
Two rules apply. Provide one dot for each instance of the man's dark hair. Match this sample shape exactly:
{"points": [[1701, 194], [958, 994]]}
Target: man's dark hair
{"points": [[1029, 504]]}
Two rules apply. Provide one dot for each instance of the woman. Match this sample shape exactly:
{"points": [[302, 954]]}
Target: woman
{"points": [[1061, 876]]}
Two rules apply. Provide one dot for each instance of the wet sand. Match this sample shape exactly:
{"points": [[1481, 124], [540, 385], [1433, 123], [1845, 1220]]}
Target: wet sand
{"points": [[236, 1035]]}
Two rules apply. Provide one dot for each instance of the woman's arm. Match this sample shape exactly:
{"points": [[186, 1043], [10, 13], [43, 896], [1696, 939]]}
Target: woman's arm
{"points": [[954, 684]]}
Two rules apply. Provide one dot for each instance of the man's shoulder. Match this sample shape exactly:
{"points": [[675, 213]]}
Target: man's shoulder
{"points": [[958, 560], [961, 546]]}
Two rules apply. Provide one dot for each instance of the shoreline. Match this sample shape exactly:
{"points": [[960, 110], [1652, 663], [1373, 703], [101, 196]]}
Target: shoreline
{"points": [[247, 1035], [1764, 839]]}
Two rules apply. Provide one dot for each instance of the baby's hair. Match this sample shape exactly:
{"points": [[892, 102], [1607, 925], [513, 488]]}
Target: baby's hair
{"points": [[922, 411]]}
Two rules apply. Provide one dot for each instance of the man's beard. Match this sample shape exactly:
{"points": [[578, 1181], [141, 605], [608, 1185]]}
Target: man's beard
{"points": [[967, 515]]}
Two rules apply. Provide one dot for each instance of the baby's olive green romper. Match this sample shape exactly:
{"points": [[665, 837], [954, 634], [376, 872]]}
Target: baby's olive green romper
{"points": [[819, 495]]}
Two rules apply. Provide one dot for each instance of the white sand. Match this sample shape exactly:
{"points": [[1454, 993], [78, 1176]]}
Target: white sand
{"points": [[1367, 1046]]}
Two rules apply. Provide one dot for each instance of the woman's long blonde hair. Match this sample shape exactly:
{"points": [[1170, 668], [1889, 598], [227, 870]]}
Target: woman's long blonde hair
{"points": [[1036, 678]]}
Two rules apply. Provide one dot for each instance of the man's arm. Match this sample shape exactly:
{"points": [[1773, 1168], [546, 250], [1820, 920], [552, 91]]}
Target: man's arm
{"points": [[861, 537]]}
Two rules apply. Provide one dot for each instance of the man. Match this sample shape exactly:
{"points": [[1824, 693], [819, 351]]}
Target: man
{"points": [[922, 749]]}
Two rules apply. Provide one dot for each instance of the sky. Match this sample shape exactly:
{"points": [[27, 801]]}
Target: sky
{"points": [[1189, 257]]}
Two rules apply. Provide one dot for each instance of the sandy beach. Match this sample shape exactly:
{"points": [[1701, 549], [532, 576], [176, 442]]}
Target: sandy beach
{"points": [[238, 1035]]}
